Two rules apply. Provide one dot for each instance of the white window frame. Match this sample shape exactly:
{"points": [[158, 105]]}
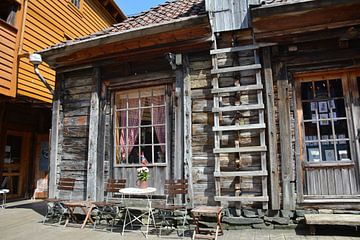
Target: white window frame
{"points": [[152, 125]]}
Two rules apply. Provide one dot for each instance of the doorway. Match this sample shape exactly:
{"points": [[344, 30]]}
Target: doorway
{"points": [[15, 162], [329, 129]]}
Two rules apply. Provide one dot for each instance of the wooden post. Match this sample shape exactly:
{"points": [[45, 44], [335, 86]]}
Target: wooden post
{"points": [[93, 146], [179, 125], [285, 137], [272, 136], [187, 130], [54, 139], [2, 134]]}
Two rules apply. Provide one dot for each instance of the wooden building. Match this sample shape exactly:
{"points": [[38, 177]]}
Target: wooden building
{"points": [[27, 26], [250, 104]]}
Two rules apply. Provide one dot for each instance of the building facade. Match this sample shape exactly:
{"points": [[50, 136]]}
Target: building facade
{"points": [[252, 106]]}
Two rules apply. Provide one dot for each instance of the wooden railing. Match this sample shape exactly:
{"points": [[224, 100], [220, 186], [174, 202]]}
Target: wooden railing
{"points": [[7, 59]]}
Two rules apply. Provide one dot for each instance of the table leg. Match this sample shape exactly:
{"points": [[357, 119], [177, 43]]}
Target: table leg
{"points": [[88, 215]]}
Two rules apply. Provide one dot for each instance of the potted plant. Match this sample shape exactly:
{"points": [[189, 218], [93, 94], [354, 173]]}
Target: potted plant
{"points": [[143, 173]]}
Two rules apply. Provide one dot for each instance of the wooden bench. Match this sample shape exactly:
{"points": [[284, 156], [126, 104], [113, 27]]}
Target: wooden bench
{"points": [[331, 219]]}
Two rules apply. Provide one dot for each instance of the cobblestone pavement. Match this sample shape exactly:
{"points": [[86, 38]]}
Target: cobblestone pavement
{"points": [[23, 221]]}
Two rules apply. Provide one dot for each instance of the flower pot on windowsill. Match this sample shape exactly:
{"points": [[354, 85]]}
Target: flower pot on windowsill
{"points": [[142, 184]]}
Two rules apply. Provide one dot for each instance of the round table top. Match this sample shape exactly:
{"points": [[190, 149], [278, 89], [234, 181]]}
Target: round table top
{"points": [[4, 190], [138, 191]]}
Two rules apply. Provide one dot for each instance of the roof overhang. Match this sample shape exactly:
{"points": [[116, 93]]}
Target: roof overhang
{"points": [[190, 29], [279, 21]]}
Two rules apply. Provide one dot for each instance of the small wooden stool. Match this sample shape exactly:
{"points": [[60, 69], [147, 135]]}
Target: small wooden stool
{"points": [[211, 212]]}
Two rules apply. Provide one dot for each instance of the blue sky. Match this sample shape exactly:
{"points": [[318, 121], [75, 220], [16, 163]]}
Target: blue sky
{"points": [[131, 7]]}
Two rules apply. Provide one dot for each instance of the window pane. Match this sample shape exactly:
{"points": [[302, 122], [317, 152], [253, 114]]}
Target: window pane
{"points": [[159, 154], [134, 154], [146, 135], [311, 131], [121, 118], [308, 114], [336, 88], [343, 150], [147, 150], [133, 117], [146, 117], [313, 153], [159, 134], [328, 151], [321, 90], [341, 129], [306, 91], [339, 108]]}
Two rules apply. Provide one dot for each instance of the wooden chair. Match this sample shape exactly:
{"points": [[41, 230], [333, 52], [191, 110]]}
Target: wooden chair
{"points": [[55, 206], [110, 209], [172, 212]]}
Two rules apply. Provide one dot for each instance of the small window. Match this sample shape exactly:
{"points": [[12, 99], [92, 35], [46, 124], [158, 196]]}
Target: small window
{"points": [[140, 126], [8, 9], [76, 3], [325, 121]]}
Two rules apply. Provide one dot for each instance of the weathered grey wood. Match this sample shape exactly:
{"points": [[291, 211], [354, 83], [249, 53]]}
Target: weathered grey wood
{"points": [[178, 164], [54, 139], [240, 173], [272, 133], [235, 69], [240, 127], [237, 89], [187, 129], [241, 149], [234, 49], [93, 145], [246, 107], [156, 76], [242, 198], [285, 136], [331, 219]]}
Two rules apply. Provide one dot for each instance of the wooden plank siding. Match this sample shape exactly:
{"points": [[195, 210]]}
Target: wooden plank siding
{"points": [[7, 58], [41, 31]]}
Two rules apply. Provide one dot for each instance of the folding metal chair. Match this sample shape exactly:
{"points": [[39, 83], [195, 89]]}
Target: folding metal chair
{"points": [[55, 206], [111, 208], [171, 212]]}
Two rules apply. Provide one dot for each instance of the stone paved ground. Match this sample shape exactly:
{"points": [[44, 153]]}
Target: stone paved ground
{"points": [[22, 221]]}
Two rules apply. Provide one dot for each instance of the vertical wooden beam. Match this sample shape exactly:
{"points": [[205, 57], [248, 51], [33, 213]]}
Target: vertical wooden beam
{"points": [[179, 125], [2, 135], [285, 137], [54, 144], [271, 126], [187, 129], [93, 146]]}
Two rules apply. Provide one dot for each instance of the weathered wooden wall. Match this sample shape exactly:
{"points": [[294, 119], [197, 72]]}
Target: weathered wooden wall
{"points": [[75, 96]]}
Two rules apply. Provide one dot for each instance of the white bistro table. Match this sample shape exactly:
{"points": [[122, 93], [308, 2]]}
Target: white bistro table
{"points": [[4, 192], [130, 218]]}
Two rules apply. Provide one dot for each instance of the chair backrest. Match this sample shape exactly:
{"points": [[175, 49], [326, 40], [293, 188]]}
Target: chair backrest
{"points": [[113, 186], [66, 184], [174, 188]]}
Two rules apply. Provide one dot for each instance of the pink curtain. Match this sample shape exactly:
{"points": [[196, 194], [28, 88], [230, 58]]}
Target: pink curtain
{"points": [[159, 118], [133, 124]]}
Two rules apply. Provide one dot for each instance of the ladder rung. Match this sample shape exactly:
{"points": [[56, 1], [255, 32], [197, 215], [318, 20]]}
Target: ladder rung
{"points": [[241, 199], [241, 174], [240, 127], [239, 108], [237, 68], [234, 49], [237, 89], [241, 149]]}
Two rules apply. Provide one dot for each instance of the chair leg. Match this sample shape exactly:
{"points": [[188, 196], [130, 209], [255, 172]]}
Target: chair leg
{"points": [[217, 232]]}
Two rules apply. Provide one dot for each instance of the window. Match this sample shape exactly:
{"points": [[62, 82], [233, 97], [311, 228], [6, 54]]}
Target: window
{"points": [[325, 121], [140, 126], [76, 3], [8, 9]]}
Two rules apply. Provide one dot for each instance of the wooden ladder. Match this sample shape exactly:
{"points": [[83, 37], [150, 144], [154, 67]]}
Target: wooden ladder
{"points": [[218, 129]]}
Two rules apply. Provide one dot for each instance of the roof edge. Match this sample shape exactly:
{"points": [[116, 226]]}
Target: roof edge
{"points": [[50, 55]]}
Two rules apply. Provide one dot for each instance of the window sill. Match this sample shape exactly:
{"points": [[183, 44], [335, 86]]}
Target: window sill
{"points": [[8, 26], [329, 164], [140, 165]]}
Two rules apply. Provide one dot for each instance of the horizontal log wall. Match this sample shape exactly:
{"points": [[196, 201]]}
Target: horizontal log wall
{"points": [[75, 97]]}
